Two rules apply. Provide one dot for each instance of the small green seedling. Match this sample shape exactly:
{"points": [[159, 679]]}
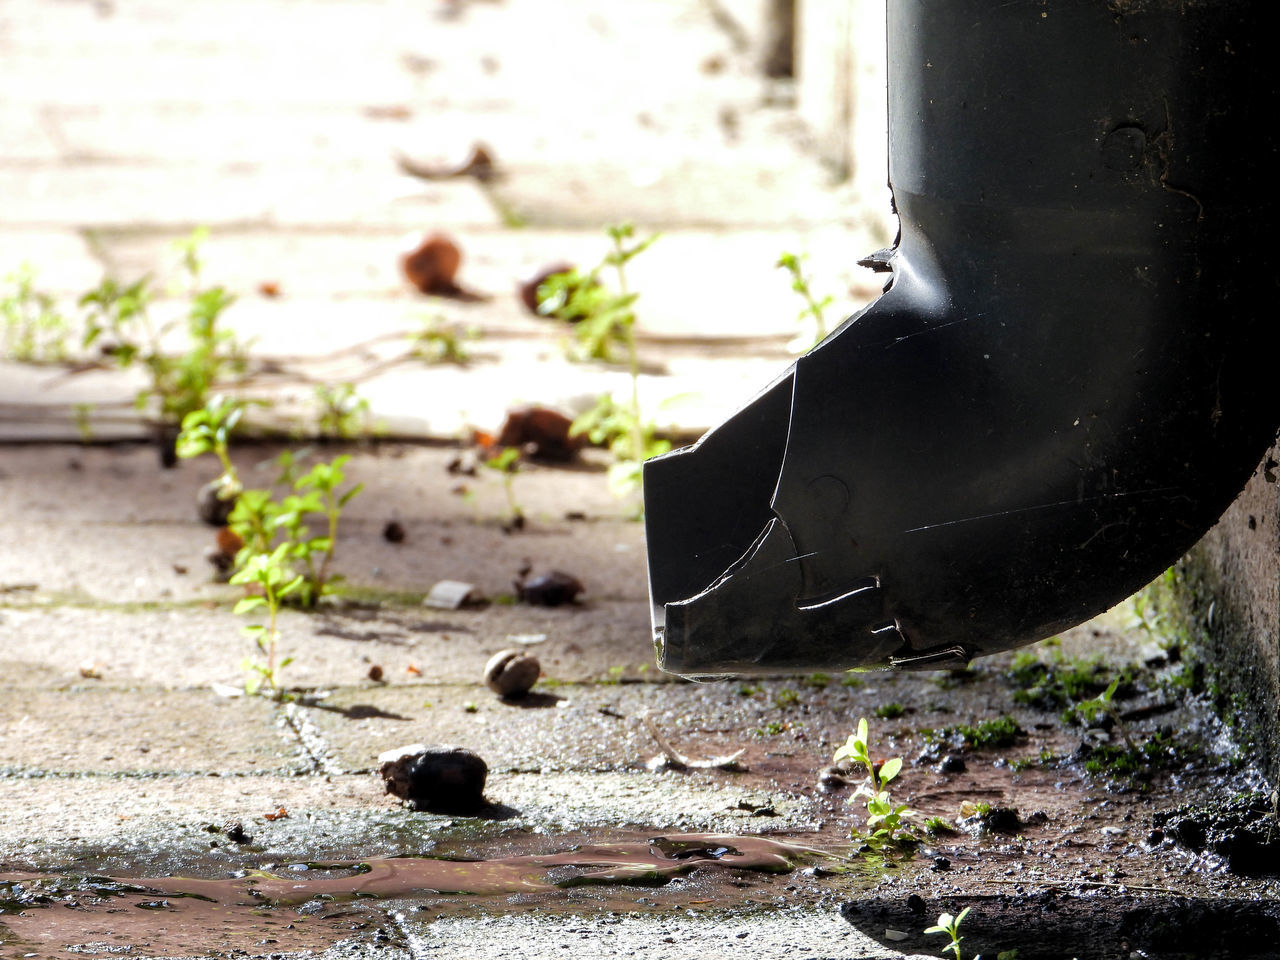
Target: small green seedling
{"points": [[208, 430], [949, 925], [786, 698], [1092, 710], [439, 341], [613, 425], [32, 330], [812, 318], [119, 315], [506, 463], [271, 576], [266, 525], [603, 320], [319, 493], [343, 413], [886, 822]]}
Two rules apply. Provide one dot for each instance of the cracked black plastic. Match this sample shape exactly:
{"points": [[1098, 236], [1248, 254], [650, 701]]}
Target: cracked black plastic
{"points": [[1064, 384]]}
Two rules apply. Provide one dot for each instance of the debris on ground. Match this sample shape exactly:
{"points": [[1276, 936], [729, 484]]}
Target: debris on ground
{"points": [[839, 775], [673, 759], [1240, 830], [211, 506], [451, 595], [478, 163], [436, 778], [511, 673], [529, 288], [222, 554], [465, 463], [431, 264], [91, 670], [375, 673], [393, 531], [540, 433], [235, 832], [552, 589]]}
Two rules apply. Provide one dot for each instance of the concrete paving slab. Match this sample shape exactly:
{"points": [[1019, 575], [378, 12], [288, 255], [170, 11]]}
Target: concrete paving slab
{"points": [[186, 647], [27, 136], [691, 283], [98, 195], [90, 728], [62, 260]]}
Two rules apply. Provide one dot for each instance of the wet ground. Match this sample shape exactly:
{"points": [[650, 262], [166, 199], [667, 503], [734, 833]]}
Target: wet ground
{"points": [[125, 757]]}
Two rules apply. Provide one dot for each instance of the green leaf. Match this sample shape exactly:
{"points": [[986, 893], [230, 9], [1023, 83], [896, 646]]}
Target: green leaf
{"points": [[249, 603], [292, 585], [889, 769], [343, 500], [253, 630]]}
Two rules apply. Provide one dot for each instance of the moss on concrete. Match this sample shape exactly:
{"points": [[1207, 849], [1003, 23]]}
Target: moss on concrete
{"points": [[1219, 608]]}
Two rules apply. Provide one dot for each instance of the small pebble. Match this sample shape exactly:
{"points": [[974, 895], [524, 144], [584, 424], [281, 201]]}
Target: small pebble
{"points": [[375, 673], [952, 763], [393, 532], [941, 864], [549, 589], [211, 507], [511, 673]]}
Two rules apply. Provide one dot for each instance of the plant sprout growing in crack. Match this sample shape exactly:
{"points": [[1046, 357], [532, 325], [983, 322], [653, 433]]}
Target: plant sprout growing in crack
{"points": [[269, 574], [604, 319], [812, 318], [119, 315], [949, 925], [32, 330], [208, 430], [886, 824], [506, 463]]}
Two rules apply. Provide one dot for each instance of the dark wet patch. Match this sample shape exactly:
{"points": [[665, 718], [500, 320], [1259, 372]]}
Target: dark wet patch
{"points": [[1053, 925], [308, 905], [1244, 831]]}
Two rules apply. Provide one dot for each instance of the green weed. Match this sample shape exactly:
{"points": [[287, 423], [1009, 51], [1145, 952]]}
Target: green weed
{"points": [[208, 430], [439, 341], [119, 316], [1001, 732], [271, 575], [343, 414], [506, 463], [950, 926], [604, 322], [32, 330], [1060, 681], [267, 525], [886, 824], [812, 318], [786, 698]]}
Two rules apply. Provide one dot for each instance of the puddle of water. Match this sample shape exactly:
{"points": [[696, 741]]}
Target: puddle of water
{"points": [[312, 905]]}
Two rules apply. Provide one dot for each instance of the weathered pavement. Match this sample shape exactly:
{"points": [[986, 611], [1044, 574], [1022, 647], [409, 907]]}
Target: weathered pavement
{"points": [[277, 124]]}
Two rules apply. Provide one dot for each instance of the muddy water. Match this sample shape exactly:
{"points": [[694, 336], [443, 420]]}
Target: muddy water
{"points": [[312, 905]]}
